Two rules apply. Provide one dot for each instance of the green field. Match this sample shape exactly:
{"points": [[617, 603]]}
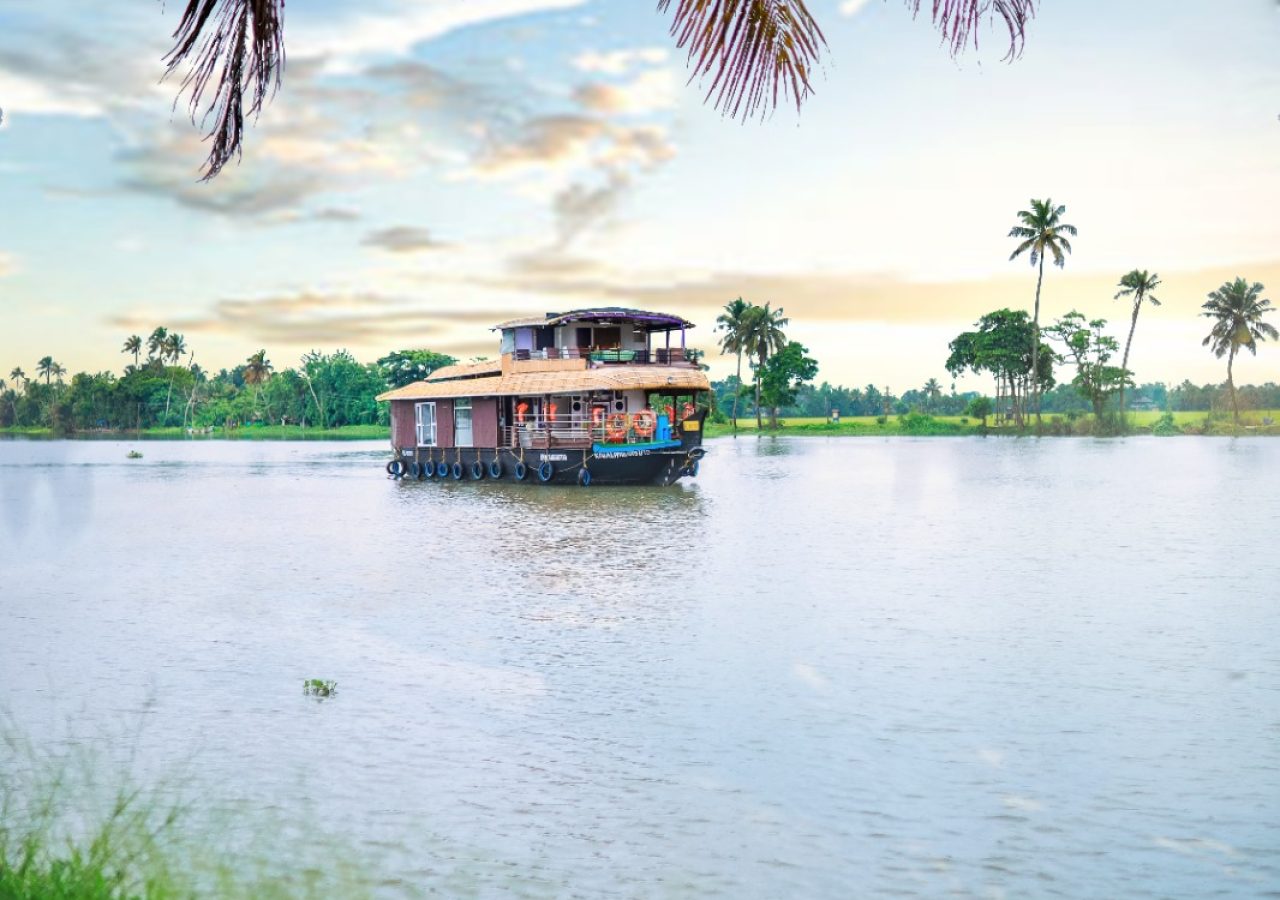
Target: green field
{"points": [[1252, 422]]}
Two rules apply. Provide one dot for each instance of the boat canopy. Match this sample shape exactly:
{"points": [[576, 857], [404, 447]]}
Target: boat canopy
{"points": [[602, 315]]}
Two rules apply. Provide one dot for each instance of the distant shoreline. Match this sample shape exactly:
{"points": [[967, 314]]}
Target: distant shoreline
{"points": [[1055, 425]]}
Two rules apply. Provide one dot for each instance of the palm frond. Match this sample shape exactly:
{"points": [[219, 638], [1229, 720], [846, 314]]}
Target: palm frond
{"points": [[959, 20], [758, 50], [1023, 247], [232, 50]]}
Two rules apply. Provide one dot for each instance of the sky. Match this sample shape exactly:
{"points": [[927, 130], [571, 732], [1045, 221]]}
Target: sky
{"points": [[432, 167]]}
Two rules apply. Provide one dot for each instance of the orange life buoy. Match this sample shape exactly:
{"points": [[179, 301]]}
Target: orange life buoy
{"points": [[644, 422], [615, 427]]}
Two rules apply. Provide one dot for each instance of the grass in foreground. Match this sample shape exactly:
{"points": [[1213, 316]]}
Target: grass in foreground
{"points": [[66, 835]]}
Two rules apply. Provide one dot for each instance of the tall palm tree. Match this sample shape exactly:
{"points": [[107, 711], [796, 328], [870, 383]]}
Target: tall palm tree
{"points": [[256, 371], [172, 348], [17, 374], [731, 323], [762, 336], [58, 372], [155, 342], [45, 368], [1043, 233], [132, 344], [932, 392], [1237, 310], [231, 53], [1140, 285]]}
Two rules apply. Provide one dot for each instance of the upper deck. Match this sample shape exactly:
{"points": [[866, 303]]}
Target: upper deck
{"points": [[600, 336]]}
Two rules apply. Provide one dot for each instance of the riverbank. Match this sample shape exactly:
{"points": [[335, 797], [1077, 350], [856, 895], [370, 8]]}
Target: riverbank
{"points": [[1054, 425], [246, 433]]}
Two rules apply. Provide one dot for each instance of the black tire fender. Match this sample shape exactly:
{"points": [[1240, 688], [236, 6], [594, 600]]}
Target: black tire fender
{"points": [[521, 471], [546, 472], [495, 468], [457, 471]]}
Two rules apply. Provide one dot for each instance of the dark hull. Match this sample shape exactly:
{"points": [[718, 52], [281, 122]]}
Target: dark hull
{"points": [[635, 467]]}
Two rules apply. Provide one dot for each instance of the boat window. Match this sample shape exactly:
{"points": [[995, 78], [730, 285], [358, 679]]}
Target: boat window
{"points": [[424, 415], [462, 432]]}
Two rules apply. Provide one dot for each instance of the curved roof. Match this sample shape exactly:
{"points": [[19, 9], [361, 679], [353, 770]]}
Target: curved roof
{"points": [[609, 378], [654, 321]]}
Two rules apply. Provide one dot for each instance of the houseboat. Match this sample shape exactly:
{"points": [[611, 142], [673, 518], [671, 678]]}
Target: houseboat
{"points": [[593, 396]]}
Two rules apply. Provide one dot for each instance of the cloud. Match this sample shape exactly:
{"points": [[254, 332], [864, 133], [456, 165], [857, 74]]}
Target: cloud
{"points": [[852, 7], [650, 91], [402, 239], [541, 141], [8, 264], [319, 318], [619, 62]]}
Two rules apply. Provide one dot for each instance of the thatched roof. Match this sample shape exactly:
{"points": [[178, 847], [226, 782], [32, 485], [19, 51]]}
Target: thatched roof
{"points": [[609, 378], [466, 370]]}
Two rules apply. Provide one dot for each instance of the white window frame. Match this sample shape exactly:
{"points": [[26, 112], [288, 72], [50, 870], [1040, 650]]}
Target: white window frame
{"points": [[459, 404], [426, 433]]}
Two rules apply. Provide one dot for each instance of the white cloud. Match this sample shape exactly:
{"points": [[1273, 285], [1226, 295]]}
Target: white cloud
{"points": [[8, 264], [619, 62], [348, 40], [650, 91], [852, 7]]}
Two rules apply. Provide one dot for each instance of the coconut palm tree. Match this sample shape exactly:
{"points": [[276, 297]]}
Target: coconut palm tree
{"points": [[45, 368], [172, 348], [132, 344], [762, 336], [1140, 285], [155, 343], [1043, 233], [932, 392], [1237, 309], [231, 53], [17, 374], [256, 371], [731, 323], [58, 372]]}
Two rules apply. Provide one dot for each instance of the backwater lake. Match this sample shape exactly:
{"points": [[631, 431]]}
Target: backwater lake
{"points": [[823, 668]]}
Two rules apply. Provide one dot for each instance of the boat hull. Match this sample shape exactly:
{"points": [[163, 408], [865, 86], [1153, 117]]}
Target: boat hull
{"points": [[621, 467]]}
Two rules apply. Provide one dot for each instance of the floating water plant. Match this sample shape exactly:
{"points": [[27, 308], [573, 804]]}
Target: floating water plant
{"points": [[134, 454], [317, 687]]}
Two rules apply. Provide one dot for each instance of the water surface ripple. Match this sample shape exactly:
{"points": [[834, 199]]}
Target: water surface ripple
{"points": [[826, 668]]}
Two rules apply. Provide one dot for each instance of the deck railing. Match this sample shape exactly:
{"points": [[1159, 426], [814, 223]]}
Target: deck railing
{"points": [[602, 356], [542, 433]]}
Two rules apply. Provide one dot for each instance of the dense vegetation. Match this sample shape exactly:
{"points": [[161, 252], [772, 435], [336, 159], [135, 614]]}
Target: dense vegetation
{"points": [[167, 389]]}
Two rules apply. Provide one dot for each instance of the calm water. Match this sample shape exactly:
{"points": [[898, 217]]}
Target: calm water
{"points": [[827, 668]]}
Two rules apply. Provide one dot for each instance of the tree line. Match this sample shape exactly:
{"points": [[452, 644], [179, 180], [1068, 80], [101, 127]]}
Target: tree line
{"points": [[1012, 348], [167, 388]]}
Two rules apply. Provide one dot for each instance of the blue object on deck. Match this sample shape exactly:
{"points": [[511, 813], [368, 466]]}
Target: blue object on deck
{"points": [[664, 428]]}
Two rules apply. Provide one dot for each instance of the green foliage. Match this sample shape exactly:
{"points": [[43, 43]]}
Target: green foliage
{"points": [[1166, 426], [404, 367], [979, 408], [318, 687], [1091, 351], [782, 375]]}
